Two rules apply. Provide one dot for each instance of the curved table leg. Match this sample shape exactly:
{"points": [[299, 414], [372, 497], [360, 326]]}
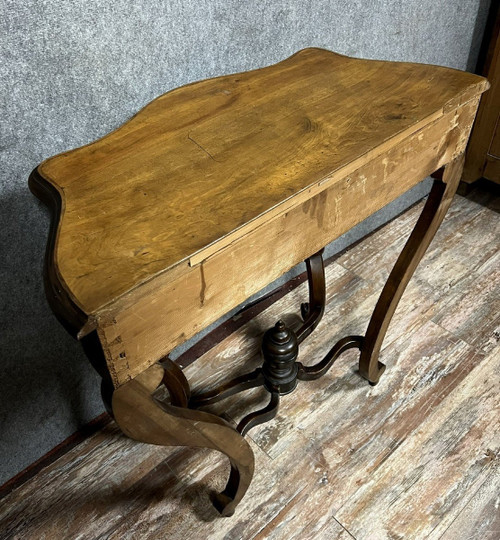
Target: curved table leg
{"points": [[229, 388], [432, 215], [176, 383], [311, 373], [312, 311], [262, 415], [145, 419]]}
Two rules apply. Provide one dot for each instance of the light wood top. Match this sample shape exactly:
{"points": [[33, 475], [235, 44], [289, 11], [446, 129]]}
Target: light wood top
{"points": [[205, 163]]}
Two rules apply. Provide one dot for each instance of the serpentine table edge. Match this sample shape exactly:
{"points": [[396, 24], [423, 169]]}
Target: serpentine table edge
{"points": [[128, 339]]}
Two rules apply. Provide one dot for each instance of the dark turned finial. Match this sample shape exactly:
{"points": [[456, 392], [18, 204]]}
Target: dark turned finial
{"points": [[280, 350]]}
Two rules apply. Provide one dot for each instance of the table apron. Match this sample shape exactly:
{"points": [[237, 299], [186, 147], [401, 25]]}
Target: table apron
{"points": [[146, 324]]}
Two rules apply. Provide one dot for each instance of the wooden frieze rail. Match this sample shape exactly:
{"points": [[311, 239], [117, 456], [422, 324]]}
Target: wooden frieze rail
{"points": [[217, 188]]}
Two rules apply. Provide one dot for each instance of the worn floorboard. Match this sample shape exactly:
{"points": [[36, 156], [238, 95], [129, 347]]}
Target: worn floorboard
{"points": [[414, 457]]}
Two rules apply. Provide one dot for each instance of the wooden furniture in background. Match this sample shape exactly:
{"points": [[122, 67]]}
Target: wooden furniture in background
{"points": [[483, 152], [217, 188]]}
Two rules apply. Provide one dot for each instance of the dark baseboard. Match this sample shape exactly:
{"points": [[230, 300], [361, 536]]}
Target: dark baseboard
{"points": [[73, 440]]}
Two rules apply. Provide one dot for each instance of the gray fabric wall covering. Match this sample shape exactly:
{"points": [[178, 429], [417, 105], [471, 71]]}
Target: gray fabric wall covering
{"points": [[73, 70]]}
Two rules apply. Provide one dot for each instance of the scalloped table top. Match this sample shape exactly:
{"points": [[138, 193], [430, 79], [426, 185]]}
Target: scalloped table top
{"points": [[203, 164]]}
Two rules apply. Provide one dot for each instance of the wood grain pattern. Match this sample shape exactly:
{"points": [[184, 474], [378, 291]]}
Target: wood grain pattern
{"points": [[415, 457], [215, 229], [142, 200], [147, 323], [480, 515]]}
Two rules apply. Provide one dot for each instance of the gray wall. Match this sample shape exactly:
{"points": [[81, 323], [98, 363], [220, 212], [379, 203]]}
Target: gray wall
{"points": [[73, 70]]}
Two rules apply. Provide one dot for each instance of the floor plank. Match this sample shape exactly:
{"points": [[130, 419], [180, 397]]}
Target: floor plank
{"points": [[480, 518], [414, 457], [473, 312], [417, 488]]}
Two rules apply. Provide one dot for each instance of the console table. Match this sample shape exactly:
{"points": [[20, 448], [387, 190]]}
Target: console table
{"points": [[217, 188]]}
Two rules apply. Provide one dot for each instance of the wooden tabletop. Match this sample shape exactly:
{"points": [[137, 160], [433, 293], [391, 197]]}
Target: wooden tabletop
{"points": [[203, 164]]}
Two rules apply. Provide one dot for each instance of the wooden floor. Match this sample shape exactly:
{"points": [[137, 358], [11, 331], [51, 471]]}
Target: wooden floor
{"points": [[414, 457]]}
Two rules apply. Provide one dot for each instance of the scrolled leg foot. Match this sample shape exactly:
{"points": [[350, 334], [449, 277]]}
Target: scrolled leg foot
{"points": [[373, 377], [226, 501], [145, 419]]}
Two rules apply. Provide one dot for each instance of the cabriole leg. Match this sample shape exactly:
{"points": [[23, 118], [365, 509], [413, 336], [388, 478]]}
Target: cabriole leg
{"points": [[432, 215], [145, 419]]}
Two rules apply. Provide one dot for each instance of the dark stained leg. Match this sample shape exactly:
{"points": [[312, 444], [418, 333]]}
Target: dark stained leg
{"points": [[229, 388], [176, 383], [145, 419], [311, 373], [107, 390], [432, 215], [261, 416], [312, 311]]}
